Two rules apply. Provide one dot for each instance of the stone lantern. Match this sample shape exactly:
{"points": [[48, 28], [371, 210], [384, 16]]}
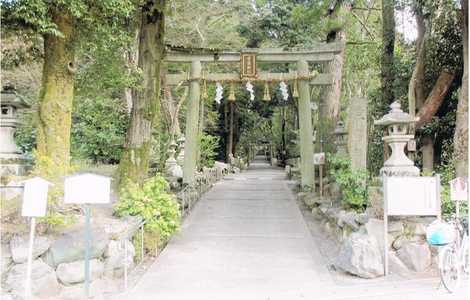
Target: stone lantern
{"points": [[172, 169], [181, 143], [12, 160], [341, 139], [397, 124]]}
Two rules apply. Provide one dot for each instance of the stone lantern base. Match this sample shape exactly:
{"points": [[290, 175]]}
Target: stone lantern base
{"points": [[399, 171], [13, 164]]}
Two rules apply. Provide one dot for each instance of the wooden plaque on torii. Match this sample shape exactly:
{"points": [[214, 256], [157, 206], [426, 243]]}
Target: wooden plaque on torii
{"points": [[247, 65]]}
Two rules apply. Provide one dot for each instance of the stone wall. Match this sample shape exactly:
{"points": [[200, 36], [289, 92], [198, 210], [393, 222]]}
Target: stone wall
{"points": [[361, 240], [58, 265]]}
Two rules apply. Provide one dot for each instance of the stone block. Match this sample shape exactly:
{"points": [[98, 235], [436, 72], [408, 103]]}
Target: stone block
{"points": [[395, 265], [360, 255], [98, 288], [44, 283], [19, 246], [70, 246], [416, 256], [74, 272], [374, 228], [6, 259], [362, 218], [119, 228], [115, 258]]}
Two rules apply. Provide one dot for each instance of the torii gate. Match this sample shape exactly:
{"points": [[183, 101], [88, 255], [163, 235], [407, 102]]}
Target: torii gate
{"points": [[247, 58]]}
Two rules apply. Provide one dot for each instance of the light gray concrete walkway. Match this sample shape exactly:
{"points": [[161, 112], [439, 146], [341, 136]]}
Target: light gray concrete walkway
{"points": [[246, 239]]}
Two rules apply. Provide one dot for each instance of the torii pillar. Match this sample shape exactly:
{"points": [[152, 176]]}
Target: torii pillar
{"points": [[305, 130], [192, 126]]}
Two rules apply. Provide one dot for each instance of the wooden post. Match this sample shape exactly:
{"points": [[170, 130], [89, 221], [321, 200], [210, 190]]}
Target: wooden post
{"points": [[192, 128], [305, 130]]}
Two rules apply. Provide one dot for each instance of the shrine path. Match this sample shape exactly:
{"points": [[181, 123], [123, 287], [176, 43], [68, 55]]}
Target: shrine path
{"points": [[247, 239]]}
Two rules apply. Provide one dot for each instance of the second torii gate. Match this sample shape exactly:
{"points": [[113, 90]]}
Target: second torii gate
{"points": [[248, 58]]}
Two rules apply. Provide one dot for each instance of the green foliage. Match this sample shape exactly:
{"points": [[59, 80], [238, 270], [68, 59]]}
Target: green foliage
{"points": [[152, 243], [88, 15], [99, 128], [353, 183], [153, 202], [208, 147], [25, 135], [447, 173]]}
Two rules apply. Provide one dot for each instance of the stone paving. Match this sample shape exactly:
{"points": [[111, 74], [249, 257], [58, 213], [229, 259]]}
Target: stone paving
{"points": [[247, 239]]}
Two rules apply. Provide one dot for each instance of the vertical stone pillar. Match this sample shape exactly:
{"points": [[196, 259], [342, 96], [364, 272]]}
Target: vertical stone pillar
{"points": [[192, 126], [428, 153], [305, 127], [357, 132]]}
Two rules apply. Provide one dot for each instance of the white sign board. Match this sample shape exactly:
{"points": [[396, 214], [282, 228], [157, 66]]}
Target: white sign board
{"points": [[35, 197], [459, 189], [87, 189], [319, 158], [412, 196], [409, 196]]}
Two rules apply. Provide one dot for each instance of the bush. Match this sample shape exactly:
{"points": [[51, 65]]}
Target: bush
{"points": [[208, 148], [447, 173], [153, 203], [99, 129], [353, 183]]}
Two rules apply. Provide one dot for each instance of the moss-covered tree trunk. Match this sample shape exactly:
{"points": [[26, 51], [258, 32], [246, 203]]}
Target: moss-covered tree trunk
{"points": [[461, 124], [135, 160], [331, 97], [56, 98]]}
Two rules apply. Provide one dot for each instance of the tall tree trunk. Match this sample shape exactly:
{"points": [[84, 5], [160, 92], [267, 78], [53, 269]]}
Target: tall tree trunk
{"points": [[461, 125], [331, 99], [428, 153], [416, 94], [388, 46], [135, 160], [56, 98], [131, 56]]}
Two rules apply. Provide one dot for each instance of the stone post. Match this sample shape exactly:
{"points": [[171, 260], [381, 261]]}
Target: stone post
{"points": [[357, 132], [305, 130], [341, 139], [192, 116]]}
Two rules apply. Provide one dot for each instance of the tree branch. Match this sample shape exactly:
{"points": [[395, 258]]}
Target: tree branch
{"points": [[363, 25], [435, 98]]}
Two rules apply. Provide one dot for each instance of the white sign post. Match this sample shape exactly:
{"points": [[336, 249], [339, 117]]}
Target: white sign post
{"points": [[459, 192], [34, 205], [409, 196], [87, 189]]}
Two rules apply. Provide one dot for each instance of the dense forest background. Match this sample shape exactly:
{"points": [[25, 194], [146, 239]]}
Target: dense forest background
{"points": [[385, 59]]}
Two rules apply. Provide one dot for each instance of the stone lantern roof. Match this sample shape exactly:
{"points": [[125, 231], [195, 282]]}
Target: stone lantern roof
{"points": [[396, 116], [10, 98]]}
